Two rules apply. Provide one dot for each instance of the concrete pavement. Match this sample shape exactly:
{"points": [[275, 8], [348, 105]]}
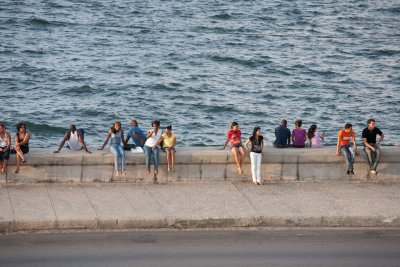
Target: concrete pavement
{"points": [[197, 205], [300, 247]]}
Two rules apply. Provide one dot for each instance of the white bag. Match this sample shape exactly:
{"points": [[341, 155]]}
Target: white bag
{"points": [[137, 150]]}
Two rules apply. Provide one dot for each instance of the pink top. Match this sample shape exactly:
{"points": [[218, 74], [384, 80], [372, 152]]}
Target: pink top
{"points": [[316, 140]]}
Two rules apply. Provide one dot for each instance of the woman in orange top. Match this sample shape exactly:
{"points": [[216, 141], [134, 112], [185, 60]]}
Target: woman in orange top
{"points": [[344, 146]]}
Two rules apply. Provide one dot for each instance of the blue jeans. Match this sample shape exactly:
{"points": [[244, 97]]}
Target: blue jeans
{"points": [[118, 153], [349, 156], [149, 153], [373, 157]]}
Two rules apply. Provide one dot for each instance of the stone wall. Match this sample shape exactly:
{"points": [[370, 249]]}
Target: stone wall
{"points": [[200, 164]]}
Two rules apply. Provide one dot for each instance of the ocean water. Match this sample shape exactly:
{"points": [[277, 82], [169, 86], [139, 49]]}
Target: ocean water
{"points": [[199, 65]]}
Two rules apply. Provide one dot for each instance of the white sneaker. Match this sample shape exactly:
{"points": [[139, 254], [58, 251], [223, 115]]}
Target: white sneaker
{"points": [[372, 171]]}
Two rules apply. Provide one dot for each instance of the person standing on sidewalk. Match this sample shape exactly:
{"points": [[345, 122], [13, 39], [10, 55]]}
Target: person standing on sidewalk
{"points": [[75, 139], [371, 147], [116, 147], [152, 146], [343, 146], [282, 134], [257, 145], [5, 144], [237, 149]]}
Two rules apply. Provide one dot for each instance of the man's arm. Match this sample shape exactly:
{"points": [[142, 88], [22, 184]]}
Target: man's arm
{"points": [[382, 136], [66, 137], [83, 143], [366, 144]]}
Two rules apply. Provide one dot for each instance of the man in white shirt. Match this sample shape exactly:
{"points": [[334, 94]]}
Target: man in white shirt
{"points": [[75, 139]]}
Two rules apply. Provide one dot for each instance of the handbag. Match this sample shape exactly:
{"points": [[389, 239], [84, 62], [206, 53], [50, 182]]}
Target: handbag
{"points": [[137, 150]]}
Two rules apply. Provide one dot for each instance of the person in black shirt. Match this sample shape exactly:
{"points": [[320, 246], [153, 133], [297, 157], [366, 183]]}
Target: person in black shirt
{"points": [[257, 145], [371, 146]]}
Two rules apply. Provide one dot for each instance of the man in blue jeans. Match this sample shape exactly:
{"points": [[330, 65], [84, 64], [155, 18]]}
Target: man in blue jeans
{"points": [[371, 146], [345, 148]]}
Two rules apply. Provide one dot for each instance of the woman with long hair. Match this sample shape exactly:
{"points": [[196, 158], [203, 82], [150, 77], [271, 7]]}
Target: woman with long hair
{"points": [[257, 145], [116, 134], [21, 144], [237, 148], [314, 136]]}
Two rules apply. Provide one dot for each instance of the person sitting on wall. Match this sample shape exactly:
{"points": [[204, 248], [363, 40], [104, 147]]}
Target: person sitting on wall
{"points": [[75, 140], [282, 134], [137, 135], [234, 136], [21, 144], [5, 144], [299, 135], [343, 146], [371, 147]]}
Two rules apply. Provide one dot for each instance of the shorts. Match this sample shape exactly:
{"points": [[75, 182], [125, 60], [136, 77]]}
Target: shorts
{"points": [[237, 146], [5, 155], [168, 148]]}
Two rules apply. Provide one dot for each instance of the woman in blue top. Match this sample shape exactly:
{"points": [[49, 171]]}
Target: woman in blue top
{"points": [[116, 146]]}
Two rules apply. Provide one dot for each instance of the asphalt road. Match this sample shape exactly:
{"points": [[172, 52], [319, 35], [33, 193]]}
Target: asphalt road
{"points": [[254, 247]]}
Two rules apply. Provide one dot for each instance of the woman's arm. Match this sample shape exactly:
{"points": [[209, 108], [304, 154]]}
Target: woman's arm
{"points": [[159, 141], [174, 143], [246, 144], [8, 136], [149, 133], [106, 141], [226, 142], [262, 145]]}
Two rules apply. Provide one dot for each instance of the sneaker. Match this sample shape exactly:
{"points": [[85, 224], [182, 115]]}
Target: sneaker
{"points": [[351, 172], [373, 172], [348, 172]]}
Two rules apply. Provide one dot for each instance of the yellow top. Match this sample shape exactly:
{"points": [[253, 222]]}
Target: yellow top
{"points": [[168, 141]]}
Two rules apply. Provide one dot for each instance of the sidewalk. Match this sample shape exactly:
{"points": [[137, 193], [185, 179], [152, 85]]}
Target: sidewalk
{"points": [[194, 205]]}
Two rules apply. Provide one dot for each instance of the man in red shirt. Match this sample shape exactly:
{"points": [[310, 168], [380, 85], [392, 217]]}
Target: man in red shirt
{"points": [[343, 146]]}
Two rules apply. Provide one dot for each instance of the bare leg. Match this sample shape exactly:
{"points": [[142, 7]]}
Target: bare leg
{"points": [[1, 166], [18, 162], [242, 154], [19, 153], [4, 169], [168, 159], [173, 160], [236, 153]]}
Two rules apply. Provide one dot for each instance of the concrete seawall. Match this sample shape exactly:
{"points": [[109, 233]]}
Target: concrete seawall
{"points": [[200, 164]]}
